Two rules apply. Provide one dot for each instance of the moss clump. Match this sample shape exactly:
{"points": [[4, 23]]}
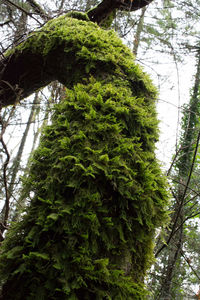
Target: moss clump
{"points": [[95, 189]]}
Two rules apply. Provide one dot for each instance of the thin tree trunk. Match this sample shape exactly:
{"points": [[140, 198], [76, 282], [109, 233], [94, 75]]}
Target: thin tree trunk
{"points": [[139, 30], [18, 158]]}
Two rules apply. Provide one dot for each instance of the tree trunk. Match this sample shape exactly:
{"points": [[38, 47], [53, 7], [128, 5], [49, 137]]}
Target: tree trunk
{"points": [[95, 190]]}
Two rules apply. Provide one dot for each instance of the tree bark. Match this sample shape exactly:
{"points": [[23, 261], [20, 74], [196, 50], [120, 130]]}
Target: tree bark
{"points": [[23, 72]]}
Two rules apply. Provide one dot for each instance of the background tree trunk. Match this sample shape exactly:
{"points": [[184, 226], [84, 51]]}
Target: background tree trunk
{"points": [[184, 168]]}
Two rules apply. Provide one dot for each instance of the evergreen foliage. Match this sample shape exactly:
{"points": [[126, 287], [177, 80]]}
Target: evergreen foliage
{"points": [[95, 190]]}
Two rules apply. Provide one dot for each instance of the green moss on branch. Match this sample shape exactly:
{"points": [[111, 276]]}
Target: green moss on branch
{"points": [[68, 50]]}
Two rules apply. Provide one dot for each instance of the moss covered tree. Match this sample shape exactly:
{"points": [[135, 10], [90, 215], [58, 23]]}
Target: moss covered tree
{"points": [[95, 193]]}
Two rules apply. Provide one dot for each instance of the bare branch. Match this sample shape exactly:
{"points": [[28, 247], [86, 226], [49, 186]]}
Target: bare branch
{"points": [[38, 9], [22, 9], [174, 229], [5, 23], [189, 264]]}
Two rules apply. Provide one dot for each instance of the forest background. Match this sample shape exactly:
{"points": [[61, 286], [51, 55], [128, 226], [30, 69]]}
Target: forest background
{"points": [[164, 36]]}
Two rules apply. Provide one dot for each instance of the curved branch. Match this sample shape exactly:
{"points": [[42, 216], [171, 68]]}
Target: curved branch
{"points": [[55, 53], [102, 11]]}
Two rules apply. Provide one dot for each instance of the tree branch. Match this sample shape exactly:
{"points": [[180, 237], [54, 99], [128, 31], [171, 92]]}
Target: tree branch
{"points": [[38, 9], [102, 11], [27, 69]]}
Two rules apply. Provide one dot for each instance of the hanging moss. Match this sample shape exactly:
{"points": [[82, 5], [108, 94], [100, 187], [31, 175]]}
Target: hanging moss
{"points": [[95, 190]]}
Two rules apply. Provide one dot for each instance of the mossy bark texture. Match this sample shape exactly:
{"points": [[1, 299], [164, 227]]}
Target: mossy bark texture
{"points": [[95, 190]]}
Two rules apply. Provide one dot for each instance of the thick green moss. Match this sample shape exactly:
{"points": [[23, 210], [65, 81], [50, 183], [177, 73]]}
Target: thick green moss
{"points": [[95, 188], [87, 49]]}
